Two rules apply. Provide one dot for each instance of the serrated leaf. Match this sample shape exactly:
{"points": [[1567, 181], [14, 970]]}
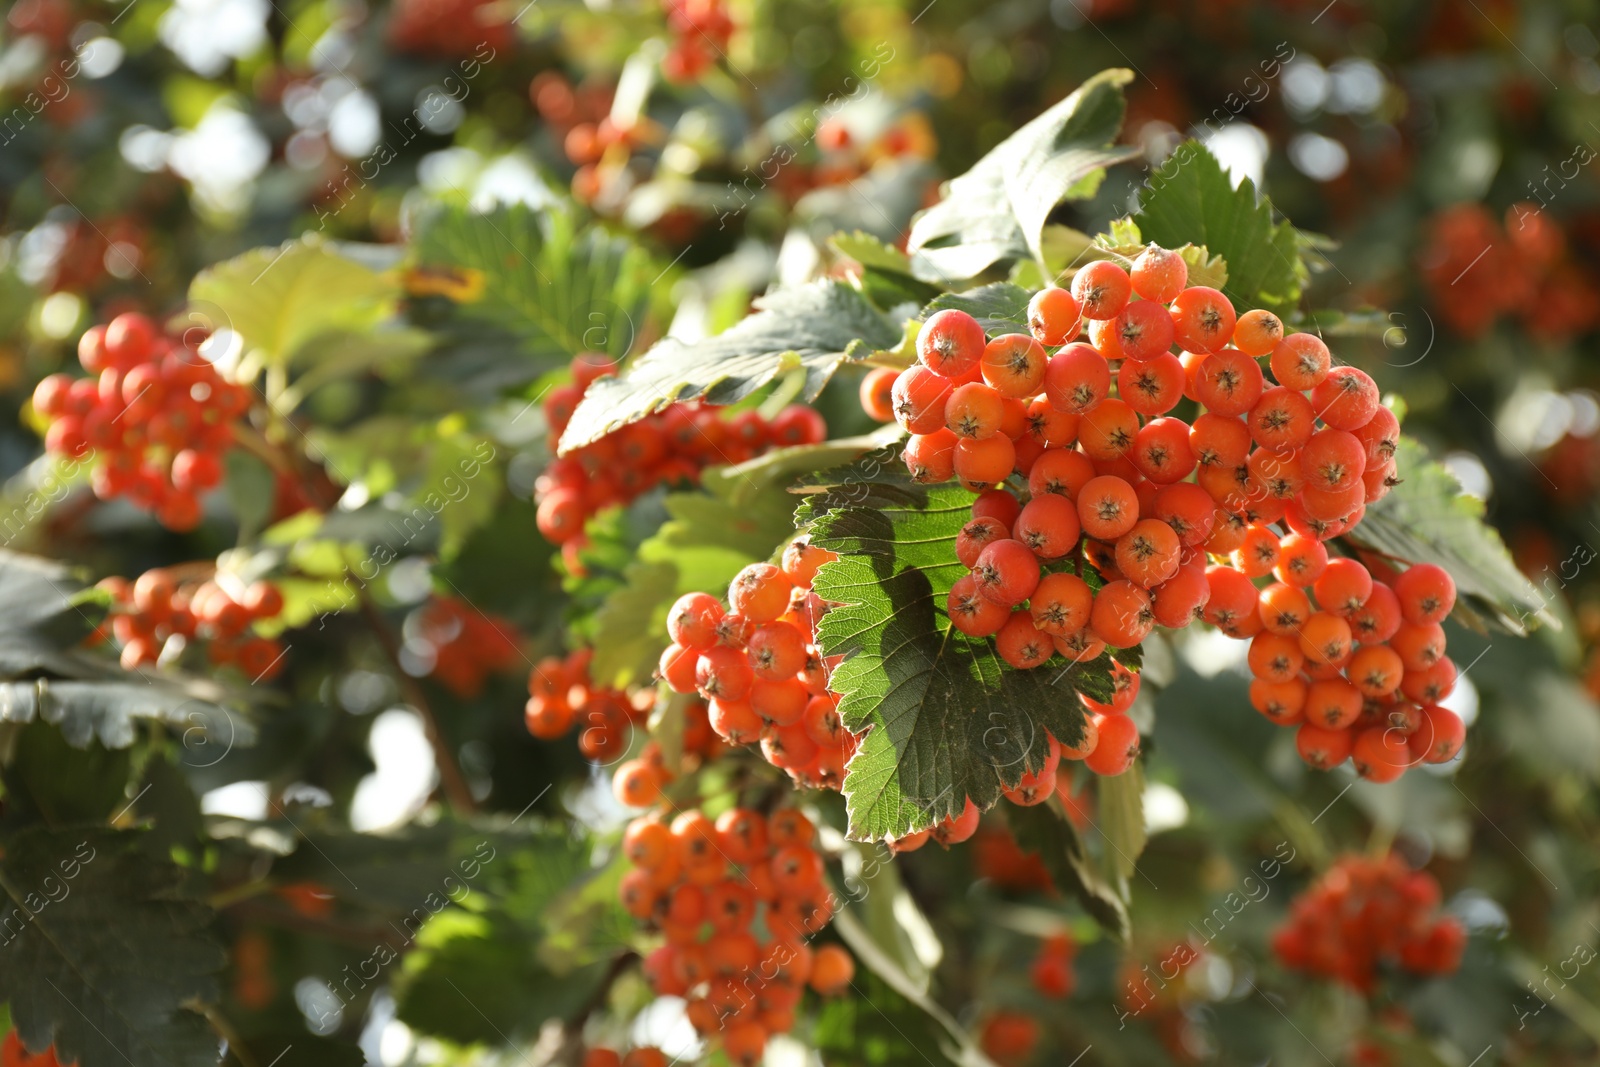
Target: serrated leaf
{"points": [[1000, 308], [1121, 807], [1428, 519], [1190, 200], [560, 289], [813, 327], [105, 951], [277, 299], [947, 719], [886, 275], [1045, 829], [996, 211]]}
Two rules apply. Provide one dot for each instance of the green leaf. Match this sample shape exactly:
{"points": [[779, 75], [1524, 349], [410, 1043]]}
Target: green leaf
{"points": [[812, 327], [1190, 200], [1121, 807], [456, 473], [886, 275], [475, 979], [996, 212], [1000, 308], [873, 1026], [63, 784], [278, 299], [559, 288], [947, 719], [104, 952], [1428, 519], [1046, 830]]}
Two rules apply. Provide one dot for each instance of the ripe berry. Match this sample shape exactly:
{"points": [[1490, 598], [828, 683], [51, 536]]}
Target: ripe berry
{"points": [[1282, 702], [693, 619], [831, 970], [1013, 364], [723, 673], [1053, 316], [797, 424], [1117, 748], [950, 343], [1257, 332], [1048, 525], [1021, 644], [1077, 378], [1122, 615], [877, 393], [1107, 508], [1325, 638], [1282, 419], [1322, 748], [919, 396], [1007, 572], [1343, 587], [1148, 554], [975, 536], [1440, 737], [1228, 382], [1300, 362], [1284, 609], [973, 613], [1427, 593], [1144, 331], [1159, 274], [1061, 604], [1101, 289], [931, 457], [1161, 451], [1333, 460], [777, 651], [1346, 399], [1275, 657], [980, 464], [1107, 431], [1152, 387], [974, 411], [1203, 319], [760, 592]]}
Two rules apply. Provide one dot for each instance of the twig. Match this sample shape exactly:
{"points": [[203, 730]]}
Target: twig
{"points": [[451, 779]]}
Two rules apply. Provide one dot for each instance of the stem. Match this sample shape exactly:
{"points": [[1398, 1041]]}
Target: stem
{"points": [[228, 1033], [451, 779], [226, 898], [597, 999]]}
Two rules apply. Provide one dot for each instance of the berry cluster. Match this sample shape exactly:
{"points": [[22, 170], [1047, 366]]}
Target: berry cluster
{"points": [[450, 29], [458, 645], [701, 30], [639, 1056], [754, 660], [704, 885], [160, 607], [1098, 513], [1476, 271], [562, 696], [1052, 972], [1367, 914], [157, 418], [14, 1054], [1357, 665], [672, 446]]}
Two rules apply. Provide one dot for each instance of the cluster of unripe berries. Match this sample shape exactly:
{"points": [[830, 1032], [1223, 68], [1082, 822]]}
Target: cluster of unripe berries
{"points": [[1100, 515], [160, 607], [701, 30], [707, 887], [458, 645], [671, 446], [755, 661], [156, 417], [1366, 915], [14, 1054]]}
